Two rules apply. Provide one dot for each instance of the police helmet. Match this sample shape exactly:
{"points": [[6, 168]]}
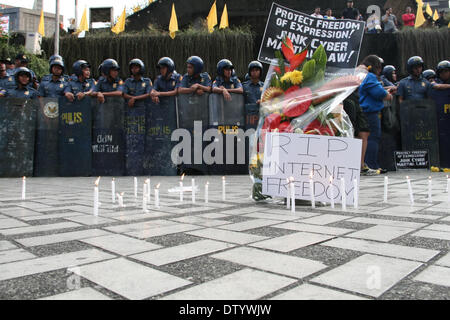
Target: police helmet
{"points": [[78, 67], [413, 62], [197, 62], [224, 64], [247, 77], [57, 62], [54, 57], [388, 71], [108, 65], [166, 62], [137, 62], [20, 71], [255, 64], [442, 66], [428, 74]]}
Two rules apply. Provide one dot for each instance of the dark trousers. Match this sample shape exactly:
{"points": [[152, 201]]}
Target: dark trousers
{"points": [[374, 121]]}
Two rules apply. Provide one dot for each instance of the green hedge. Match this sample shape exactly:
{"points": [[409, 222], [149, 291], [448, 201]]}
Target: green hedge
{"points": [[38, 65]]}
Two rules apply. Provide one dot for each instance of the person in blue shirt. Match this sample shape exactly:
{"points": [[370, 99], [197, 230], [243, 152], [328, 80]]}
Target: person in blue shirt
{"points": [[56, 86], [254, 86], [195, 80], [110, 85], [48, 77], [137, 88], [6, 82], [22, 89], [22, 61], [443, 72], [168, 82], [9, 66], [415, 87], [81, 86], [226, 82], [371, 97]]}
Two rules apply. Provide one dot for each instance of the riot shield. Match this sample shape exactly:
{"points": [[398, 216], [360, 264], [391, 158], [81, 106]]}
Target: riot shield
{"points": [[419, 128], [108, 144], [46, 150], [442, 100], [135, 138], [161, 122], [193, 109], [17, 136], [251, 116], [75, 126], [227, 117], [390, 138]]}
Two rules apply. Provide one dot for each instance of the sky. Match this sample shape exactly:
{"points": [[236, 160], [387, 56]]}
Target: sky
{"points": [[67, 7]]}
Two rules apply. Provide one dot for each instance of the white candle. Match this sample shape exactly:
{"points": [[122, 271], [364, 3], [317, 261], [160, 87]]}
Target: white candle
{"points": [[157, 196], [292, 187], [193, 190], [96, 197], [223, 189], [411, 194], [448, 184], [344, 195], [24, 188], [332, 192], [311, 188], [181, 188], [149, 191], [430, 190], [144, 197], [386, 187], [120, 199], [113, 191], [355, 194], [135, 187], [207, 192], [288, 195]]}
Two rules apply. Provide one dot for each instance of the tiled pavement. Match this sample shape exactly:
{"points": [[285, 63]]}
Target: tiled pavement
{"points": [[52, 247]]}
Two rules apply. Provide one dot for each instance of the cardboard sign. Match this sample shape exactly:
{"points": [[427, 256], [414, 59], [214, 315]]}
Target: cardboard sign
{"points": [[298, 156], [412, 160]]}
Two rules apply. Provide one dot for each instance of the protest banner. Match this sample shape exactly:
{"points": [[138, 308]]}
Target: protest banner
{"points": [[341, 38], [304, 156]]}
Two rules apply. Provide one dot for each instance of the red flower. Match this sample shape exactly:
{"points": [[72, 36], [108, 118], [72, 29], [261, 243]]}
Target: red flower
{"points": [[300, 101], [316, 127], [272, 121], [286, 127], [295, 60]]}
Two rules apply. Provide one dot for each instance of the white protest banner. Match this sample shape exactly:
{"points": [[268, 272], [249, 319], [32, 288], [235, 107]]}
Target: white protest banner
{"points": [[4, 24], [341, 38], [299, 155]]}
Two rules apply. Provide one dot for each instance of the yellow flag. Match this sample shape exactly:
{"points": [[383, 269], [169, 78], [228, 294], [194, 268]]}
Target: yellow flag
{"points": [[212, 18], [120, 25], [224, 19], [420, 18], [173, 25], [428, 10], [436, 15], [41, 28], [137, 8], [150, 1], [83, 23]]}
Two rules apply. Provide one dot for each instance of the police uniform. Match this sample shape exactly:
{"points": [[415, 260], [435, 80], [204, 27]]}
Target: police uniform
{"points": [[386, 82], [75, 86], [164, 85], [411, 88], [13, 72], [48, 77], [26, 93], [52, 89], [188, 81], [136, 88], [103, 85], [232, 83], [8, 83], [252, 91]]}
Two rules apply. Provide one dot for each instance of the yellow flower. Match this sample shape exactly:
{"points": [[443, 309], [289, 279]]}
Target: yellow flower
{"points": [[295, 77], [435, 169]]}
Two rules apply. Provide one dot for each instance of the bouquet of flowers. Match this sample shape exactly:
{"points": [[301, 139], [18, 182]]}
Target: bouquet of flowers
{"points": [[297, 99]]}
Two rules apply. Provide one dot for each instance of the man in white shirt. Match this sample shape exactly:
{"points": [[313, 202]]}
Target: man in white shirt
{"points": [[372, 22], [316, 13]]}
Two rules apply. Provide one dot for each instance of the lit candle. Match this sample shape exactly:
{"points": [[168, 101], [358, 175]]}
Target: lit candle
{"points": [[430, 190], [344, 195], [113, 190], [292, 187], [386, 187], [24, 188], [120, 199], [311, 188], [355, 194], [135, 187], [207, 192], [288, 195], [157, 196], [193, 190], [223, 188], [332, 192], [181, 188], [96, 196], [144, 197], [149, 191], [411, 194]]}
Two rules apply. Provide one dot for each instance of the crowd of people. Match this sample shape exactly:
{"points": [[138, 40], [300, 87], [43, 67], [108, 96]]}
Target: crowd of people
{"points": [[387, 23]]}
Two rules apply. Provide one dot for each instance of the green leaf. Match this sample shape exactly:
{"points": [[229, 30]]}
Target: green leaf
{"points": [[309, 70], [320, 56]]}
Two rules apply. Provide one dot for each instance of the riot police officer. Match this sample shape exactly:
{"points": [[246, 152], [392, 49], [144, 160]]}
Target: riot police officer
{"points": [[81, 86], [110, 85], [6, 82], [430, 75], [22, 89], [22, 61], [254, 86], [389, 76], [226, 82], [167, 83], [9, 66], [443, 72], [56, 86], [195, 80], [415, 86], [48, 77], [137, 87]]}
